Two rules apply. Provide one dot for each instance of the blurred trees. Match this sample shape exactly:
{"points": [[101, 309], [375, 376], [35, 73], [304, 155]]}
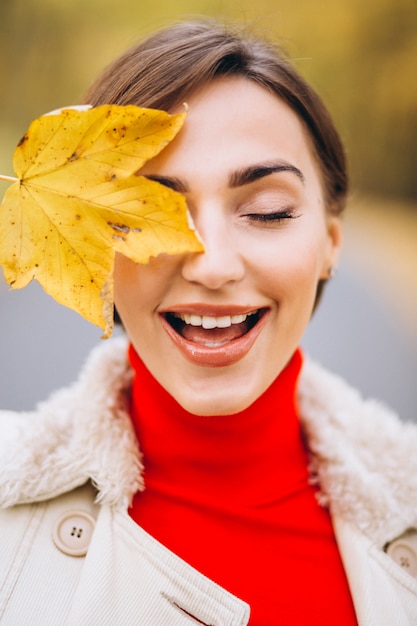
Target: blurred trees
{"points": [[365, 65], [360, 55]]}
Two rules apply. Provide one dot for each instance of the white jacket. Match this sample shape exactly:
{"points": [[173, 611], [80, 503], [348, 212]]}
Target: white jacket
{"points": [[69, 470]]}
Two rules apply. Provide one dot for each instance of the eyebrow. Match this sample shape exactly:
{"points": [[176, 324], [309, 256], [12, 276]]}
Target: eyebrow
{"points": [[169, 181], [239, 178], [250, 174]]}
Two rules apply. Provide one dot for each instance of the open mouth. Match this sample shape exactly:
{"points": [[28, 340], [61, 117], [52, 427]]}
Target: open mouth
{"points": [[213, 331]]}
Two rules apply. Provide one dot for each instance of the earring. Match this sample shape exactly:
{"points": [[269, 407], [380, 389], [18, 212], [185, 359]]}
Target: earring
{"points": [[331, 272]]}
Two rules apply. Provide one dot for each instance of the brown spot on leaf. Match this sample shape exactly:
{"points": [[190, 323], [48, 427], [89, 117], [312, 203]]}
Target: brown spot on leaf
{"points": [[22, 141], [120, 228]]}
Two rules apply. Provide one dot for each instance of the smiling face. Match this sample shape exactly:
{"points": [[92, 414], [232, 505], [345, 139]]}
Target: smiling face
{"points": [[216, 328]]}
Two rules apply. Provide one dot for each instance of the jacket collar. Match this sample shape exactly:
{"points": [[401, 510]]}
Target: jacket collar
{"points": [[80, 433], [362, 457]]}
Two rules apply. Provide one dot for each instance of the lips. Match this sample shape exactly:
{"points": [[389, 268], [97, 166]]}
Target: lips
{"points": [[214, 340]]}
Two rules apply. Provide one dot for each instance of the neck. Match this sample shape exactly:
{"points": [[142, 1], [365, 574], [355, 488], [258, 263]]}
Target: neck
{"points": [[240, 457]]}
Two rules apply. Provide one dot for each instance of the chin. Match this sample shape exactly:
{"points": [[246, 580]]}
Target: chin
{"points": [[206, 402], [213, 408]]}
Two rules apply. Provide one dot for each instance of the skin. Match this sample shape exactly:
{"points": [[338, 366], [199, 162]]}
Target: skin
{"points": [[242, 154]]}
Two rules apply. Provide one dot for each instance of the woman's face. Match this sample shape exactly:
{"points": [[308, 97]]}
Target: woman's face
{"points": [[216, 328]]}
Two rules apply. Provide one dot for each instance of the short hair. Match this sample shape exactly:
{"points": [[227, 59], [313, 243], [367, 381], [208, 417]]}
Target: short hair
{"points": [[163, 70]]}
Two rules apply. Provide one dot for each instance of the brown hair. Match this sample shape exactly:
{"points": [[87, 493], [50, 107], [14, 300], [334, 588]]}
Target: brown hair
{"points": [[164, 69]]}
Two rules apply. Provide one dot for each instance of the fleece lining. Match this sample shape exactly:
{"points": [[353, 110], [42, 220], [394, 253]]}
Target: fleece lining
{"points": [[362, 456]]}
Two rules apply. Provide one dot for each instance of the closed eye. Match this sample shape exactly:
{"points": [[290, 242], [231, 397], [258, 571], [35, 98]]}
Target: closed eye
{"points": [[271, 217]]}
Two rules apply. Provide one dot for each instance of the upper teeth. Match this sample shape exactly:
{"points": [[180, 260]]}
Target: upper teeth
{"points": [[208, 321]]}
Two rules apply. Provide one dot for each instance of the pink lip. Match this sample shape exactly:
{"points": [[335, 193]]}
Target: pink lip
{"points": [[212, 309], [220, 356]]}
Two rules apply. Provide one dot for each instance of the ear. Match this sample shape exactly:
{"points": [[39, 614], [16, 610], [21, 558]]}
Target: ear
{"points": [[334, 245]]}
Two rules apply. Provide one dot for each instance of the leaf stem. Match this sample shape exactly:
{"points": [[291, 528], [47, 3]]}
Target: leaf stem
{"points": [[11, 179]]}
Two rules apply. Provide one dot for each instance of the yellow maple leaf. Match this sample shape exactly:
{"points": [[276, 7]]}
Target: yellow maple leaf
{"points": [[78, 199]]}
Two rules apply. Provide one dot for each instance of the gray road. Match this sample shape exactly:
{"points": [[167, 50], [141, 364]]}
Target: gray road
{"points": [[42, 345]]}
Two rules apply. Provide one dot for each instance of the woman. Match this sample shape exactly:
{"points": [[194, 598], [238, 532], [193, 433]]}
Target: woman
{"points": [[269, 492]]}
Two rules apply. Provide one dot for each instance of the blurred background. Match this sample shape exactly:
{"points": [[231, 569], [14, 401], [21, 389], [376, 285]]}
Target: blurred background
{"points": [[360, 56]]}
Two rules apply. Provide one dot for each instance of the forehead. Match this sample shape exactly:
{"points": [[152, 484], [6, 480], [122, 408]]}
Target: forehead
{"points": [[231, 123]]}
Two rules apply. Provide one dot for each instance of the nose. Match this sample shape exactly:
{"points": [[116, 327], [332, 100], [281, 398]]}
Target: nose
{"points": [[222, 262]]}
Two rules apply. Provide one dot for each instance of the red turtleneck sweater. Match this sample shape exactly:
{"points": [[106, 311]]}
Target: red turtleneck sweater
{"points": [[231, 496]]}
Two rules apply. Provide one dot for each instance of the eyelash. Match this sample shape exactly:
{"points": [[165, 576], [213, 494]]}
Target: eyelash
{"points": [[271, 217]]}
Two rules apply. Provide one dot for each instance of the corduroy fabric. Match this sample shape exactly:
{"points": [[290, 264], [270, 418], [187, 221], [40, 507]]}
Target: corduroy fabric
{"points": [[126, 578], [369, 568]]}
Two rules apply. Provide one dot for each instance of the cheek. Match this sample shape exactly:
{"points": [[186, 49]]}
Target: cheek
{"points": [[125, 283], [135, 294], [140, 289], [292, 265]]}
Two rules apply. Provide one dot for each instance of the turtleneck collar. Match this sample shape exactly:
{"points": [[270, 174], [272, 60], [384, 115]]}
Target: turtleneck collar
{"points": [[249, 457]]}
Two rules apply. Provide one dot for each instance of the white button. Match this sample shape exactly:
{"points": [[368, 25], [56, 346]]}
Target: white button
{"points": [[73, 531], [403, 551]]}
